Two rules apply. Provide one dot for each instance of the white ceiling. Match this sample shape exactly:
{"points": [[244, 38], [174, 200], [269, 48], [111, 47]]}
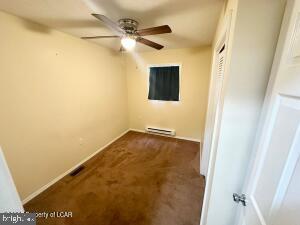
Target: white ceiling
{"points": [[193, 22]]}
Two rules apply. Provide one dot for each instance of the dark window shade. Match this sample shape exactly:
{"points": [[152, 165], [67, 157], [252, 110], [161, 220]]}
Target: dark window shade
{"points": [[164, 83]]}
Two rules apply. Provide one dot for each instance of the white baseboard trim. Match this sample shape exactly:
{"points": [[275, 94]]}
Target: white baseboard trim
{"points": [[178, 137], [39, 191]]}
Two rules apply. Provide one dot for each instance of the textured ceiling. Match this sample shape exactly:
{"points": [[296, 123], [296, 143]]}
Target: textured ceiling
{"points": [[193, 22]]}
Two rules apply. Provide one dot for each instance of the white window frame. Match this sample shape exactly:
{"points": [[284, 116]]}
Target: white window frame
{"points": [[164, 65]]}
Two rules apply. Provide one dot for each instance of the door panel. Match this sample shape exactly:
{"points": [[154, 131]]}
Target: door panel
{"points": [[283, 151], [290, 204], [282, 138]]}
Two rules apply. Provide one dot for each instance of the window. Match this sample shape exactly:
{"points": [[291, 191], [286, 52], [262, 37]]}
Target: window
{"points": [[164, 83]]}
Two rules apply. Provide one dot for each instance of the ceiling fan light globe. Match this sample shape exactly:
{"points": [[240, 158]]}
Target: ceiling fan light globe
{"points": [[128, 43]]}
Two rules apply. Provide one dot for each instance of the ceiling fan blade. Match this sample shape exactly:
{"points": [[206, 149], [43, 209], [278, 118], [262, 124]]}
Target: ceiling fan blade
{"points": [[149, 43], [154, 30], [109, 23], [95, 37]]}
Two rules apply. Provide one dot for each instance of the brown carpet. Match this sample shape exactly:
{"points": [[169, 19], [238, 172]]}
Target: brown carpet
{"points": [[140, 179]]}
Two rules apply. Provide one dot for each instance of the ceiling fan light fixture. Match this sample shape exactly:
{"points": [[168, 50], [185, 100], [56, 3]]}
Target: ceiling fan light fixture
{"points": [[127, 30], [128, 42]]}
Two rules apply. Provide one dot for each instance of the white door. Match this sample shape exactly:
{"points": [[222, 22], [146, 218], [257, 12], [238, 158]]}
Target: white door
{"points": [[214, 107], [9, 198], [273, 190]]}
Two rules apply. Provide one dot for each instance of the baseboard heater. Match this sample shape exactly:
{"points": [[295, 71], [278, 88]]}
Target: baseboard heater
{"points": [[154, 130]]}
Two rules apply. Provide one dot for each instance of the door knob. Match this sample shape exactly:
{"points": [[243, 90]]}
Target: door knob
{"points": [[240, 198]]}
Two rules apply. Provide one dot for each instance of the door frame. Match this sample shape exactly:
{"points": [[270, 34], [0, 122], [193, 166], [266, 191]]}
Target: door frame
{"points": [[225, 38]]}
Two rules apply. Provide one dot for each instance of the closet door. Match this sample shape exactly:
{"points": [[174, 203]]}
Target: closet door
{"points": [[213, 107]]}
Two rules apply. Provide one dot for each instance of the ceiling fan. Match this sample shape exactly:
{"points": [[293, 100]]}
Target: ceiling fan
{"points": [[126, 29]]}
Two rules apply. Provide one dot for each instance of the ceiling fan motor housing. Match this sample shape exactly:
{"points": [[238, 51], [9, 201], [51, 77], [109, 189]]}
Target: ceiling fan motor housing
{"points": [[129, 25]]}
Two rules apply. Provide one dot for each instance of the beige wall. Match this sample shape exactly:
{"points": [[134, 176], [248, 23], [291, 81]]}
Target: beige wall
{"points": [[187, 116], [61, 99]]}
